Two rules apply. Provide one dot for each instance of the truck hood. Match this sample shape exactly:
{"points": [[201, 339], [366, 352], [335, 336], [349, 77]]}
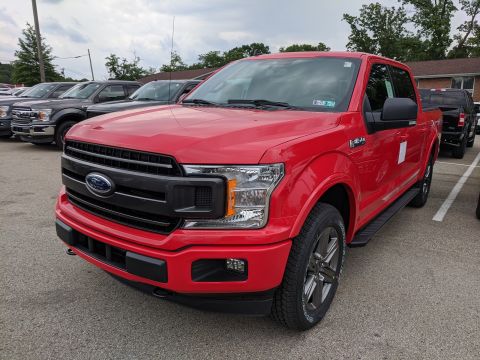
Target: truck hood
{"points": [[196, 135], [10, 100], [56, 104], [121, 105]]}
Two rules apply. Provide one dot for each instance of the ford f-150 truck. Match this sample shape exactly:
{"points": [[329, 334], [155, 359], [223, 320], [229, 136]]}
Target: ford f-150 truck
{"points": [[243, 196], [43, 122], [39, 91], [160, 92]]}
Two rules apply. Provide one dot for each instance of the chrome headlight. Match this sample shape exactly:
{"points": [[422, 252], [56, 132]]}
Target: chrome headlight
{"points": [[43, 114], [4, 111], [248, 194]]}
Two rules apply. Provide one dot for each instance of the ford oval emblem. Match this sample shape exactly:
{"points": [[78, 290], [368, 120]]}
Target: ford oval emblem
{"points": [[99, 184]]}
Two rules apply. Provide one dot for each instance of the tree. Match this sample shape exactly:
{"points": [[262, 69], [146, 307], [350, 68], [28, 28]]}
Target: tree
{"points": [[26, 69], [305, 47], [122, 69], [211, 59], [5, 73], [467, 38], [176, 64], [432, 18], [244, 51], [381, 30]]}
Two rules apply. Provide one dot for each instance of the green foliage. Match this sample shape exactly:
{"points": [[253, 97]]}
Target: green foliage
{"points": [[176, 64], [381, 30], [432, 19], [122, 69], [216, 59], [26, 69], [6, 73], [305, 47], [467, 40]]}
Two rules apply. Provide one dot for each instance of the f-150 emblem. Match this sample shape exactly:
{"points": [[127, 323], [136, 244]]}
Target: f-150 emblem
{"points": [[357, 142]]}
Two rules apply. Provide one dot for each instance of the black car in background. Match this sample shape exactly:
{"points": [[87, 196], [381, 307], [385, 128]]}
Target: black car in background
{"points": [[43, 122], [477, 110], [40, 91], [459, 117], [160, 92]]}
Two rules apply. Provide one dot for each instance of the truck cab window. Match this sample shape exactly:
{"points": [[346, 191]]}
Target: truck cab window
{"points": [[379, 87], [403, 83]]}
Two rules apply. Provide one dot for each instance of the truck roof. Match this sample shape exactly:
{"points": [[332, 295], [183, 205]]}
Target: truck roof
{"points": [[314, 54]]}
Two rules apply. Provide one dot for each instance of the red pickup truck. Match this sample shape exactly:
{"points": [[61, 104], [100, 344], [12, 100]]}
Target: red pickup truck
{"points": [[243, 196]]}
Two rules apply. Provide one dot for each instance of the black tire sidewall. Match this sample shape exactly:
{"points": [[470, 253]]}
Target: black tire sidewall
{"points": [[329, 216], [62, 129]]}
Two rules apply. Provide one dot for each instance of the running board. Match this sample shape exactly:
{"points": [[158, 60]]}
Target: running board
{"points": [[364, 235]]}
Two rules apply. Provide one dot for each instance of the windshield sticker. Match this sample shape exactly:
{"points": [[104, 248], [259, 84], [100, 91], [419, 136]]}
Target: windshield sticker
{"points": [[326, 103], [347, 64]]}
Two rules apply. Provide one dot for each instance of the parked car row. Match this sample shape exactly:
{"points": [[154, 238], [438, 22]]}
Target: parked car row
{"points": [[47, 111]]}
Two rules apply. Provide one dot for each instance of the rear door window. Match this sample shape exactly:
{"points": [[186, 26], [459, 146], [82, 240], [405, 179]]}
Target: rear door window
{"points": [[111, 93], [60, 90]]}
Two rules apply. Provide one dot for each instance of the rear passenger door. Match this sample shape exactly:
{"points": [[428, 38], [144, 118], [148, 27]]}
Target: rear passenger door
{"points": [[412, 138]]}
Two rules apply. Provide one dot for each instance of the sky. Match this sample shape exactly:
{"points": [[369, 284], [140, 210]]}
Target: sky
{"points": [[144, 27]]}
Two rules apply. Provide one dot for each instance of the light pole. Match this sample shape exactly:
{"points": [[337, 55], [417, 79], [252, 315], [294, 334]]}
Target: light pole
{"points": [[91, 67], [39, 42]]}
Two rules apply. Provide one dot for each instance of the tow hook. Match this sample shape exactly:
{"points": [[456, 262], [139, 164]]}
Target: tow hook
{"points": [[70, 252], [160, 293]]}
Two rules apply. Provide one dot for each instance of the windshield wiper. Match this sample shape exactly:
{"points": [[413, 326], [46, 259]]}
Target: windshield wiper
{"points": [[199, 102], [146, 99], [261, 103]]}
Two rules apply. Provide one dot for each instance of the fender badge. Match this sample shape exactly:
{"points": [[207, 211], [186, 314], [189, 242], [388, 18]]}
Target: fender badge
{"points": [[357, 142]]}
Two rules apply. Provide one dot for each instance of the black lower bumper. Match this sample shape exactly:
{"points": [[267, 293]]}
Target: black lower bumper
{"points": [[5, 127], [256, 304], [156, 269], [452, 138]]}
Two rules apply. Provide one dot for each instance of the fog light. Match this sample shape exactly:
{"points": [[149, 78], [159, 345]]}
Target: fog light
{"points": [[237, 265]]}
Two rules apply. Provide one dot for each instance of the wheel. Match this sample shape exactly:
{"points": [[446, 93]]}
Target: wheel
{"points": [[313, 268], [61, 131], [459, 152], [424, 186], [471, 141]]}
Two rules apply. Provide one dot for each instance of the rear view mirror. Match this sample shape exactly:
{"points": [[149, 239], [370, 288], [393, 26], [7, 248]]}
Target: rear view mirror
{"points": [[399, 109]]}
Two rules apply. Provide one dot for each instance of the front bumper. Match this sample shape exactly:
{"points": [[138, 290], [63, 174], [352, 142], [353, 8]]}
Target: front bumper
{"points": [[172, 270], [33, 132], [5, 126]]}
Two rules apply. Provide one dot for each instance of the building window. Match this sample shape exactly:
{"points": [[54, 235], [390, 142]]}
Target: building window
{"points": [[464, 82]]}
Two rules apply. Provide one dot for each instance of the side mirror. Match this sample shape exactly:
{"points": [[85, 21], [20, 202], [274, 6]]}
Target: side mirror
{"points": [[396, 109], [397, 113]]}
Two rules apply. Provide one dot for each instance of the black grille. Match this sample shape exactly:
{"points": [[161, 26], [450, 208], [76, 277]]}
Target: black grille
{"points": [[123, 159], [129, 217], [106, 253], [203, 196]]}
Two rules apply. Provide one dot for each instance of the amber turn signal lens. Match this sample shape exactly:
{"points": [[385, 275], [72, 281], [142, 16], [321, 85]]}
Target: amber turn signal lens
{"points": [[231, 185]]}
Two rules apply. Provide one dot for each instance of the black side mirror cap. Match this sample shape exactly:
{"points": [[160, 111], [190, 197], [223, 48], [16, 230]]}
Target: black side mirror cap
{"points": [[399, 109]]}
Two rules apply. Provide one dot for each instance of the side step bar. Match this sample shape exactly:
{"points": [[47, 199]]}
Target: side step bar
{"points": [[364, 235]]}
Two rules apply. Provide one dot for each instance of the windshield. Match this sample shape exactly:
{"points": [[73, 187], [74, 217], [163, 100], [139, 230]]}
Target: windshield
{"points": [[157, 90], [80, 91], [313, 84], [38, 91]]}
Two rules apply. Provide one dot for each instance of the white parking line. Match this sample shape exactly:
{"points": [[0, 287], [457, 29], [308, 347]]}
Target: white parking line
{"points": [[456, 189], [451, 163]]}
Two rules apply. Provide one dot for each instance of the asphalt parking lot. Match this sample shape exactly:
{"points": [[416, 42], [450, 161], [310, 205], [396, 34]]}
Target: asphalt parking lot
{"points": [[412, 293]]}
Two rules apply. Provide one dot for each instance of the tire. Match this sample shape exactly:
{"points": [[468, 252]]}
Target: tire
{"points": [[459, 152], [314, 271], [424, 185], [478, 207], [7, 136], [61, 131], [471, 141]]}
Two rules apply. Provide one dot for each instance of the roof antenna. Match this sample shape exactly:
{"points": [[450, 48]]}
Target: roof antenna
{"points": [[171, 60]]}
